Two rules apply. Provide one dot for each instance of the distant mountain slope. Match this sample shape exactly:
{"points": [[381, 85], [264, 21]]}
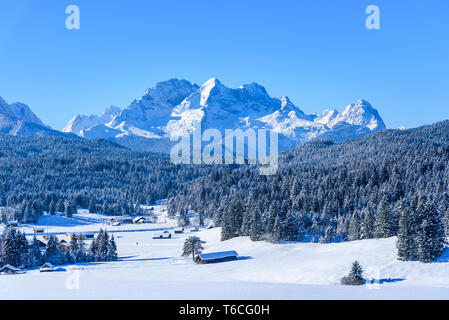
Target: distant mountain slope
{"points": [[17, 119], [175, 107]]}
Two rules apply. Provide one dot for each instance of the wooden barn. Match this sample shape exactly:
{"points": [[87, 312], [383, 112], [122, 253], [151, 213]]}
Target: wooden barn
{"points": [[38, 230], [126, 220], [47, 267], [179, 230], [162, 235], [9, 269], [81, 236], [140, 220], [216, 257]]}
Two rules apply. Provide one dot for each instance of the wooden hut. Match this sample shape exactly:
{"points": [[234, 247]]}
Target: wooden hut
{"points": [[9, 269], [47, 267], [215, 257]]}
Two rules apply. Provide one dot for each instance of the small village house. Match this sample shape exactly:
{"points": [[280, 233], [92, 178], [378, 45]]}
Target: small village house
{"points": [[126, 220], [80, 236], [140, 220], [162, 235], [9, 269], [38, 230], [215, 257], [179, 230], [42, 244], [13, 224]]}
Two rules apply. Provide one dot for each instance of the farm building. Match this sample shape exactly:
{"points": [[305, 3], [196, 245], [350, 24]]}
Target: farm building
{"points": [[47, 267], [194, 229], [9, 269], [13, 224], [42, 245], [80, 236], [140, 220], [38, 230], [216, 257], [179, 230], [126, 220], [162, 235]]}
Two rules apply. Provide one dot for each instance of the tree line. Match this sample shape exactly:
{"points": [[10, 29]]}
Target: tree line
{"points": [[17, 251]]}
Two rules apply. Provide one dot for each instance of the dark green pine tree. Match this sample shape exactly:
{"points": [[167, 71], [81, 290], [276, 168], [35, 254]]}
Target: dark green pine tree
{"points": [[34, 257], [232, 222], [277, 229], [355, 276], [52, 208], [10, 249], [354, 227], [367, 224], [407, 250], [68, 209], [256, 225], [356, 271], [384, 226], [92, 205], [192, 246], [52, 249], [431, 238], [112, 250], [60, 206]]}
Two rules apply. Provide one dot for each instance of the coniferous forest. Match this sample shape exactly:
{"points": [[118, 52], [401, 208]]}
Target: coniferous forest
{"points": [[392, 183]]}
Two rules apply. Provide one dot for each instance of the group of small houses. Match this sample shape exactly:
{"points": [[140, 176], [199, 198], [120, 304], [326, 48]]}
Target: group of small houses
{"points": [[9, 269], [167, 234], [65, 245], [131, 220], [203, 258]]}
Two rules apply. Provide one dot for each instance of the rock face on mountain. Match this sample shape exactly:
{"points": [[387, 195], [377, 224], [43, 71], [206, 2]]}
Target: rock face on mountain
{"points": [[176, 107], [17, 119]]}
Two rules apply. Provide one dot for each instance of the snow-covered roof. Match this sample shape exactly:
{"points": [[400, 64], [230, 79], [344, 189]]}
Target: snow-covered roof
{"points": [[47, 265], [8, 266], [218, 255]]}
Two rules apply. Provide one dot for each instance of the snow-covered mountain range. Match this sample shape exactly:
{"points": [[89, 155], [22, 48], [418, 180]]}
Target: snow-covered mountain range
{"points": [[17, 119], [175, 107]]}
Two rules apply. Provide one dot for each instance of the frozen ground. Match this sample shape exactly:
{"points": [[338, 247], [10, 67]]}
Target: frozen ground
{"points": [[154, 269]]}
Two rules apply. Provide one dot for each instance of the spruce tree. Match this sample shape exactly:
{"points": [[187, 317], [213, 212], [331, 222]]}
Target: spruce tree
{"points": [[112, 250], [406, 238], [256, 226], [431, 237], [355, 276], [384, 227], [354, 227]]}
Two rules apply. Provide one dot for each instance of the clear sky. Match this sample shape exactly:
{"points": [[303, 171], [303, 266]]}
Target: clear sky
{"points": [[317, 52]]}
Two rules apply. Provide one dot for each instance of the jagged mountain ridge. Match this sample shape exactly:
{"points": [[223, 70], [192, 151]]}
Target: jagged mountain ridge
{"points": [[176, 107], [17, 119]]}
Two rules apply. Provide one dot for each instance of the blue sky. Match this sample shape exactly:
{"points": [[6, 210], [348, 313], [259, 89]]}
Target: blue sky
{"points": [[317, 52]]}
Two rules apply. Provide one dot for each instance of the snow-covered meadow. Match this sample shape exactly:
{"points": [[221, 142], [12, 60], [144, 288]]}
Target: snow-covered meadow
{"points": [[154, 269]]}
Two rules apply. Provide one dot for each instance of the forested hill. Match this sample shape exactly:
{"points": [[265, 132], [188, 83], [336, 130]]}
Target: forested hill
{"points": [[353, 190], [323, 191], [40, 174]]}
